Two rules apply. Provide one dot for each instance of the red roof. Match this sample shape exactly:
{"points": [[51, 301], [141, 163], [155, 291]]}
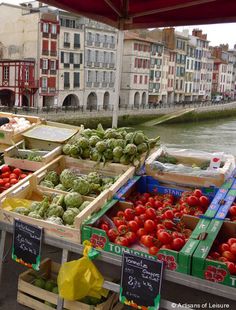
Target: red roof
{"points": [[134, 14]]}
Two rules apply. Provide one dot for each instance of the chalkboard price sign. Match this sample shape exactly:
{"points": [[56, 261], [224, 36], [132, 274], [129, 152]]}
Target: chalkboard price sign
{"points": [[141, 280], [27, 241]]}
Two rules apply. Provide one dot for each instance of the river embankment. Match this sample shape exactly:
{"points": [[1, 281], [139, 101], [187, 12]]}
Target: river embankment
{"points": [[131, 117]]}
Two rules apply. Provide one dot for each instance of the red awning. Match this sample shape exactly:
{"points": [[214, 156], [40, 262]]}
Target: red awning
{"points": [[134, 14]]}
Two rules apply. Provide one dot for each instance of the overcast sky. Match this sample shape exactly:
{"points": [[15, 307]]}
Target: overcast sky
{"points": [[217, 33]]}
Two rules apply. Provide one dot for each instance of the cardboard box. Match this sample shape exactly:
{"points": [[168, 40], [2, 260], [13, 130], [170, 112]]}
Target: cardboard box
{"points": [[205, 268], [227, 203], [34, 297], [214, 179]]}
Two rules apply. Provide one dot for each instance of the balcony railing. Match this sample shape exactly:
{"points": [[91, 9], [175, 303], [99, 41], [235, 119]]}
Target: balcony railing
{"points": [[111, 84], [76, 45], [96, 84], [66, 44], [104, 84], [45, 52], [89, 84]]}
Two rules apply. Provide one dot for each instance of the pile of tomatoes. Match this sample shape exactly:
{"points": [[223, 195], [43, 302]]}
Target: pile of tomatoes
{"points": [[10, 176], [154, 220], [232, 212], [226, 253]]}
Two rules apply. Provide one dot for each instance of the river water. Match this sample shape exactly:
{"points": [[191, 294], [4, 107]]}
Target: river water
{"points": [[214, 135]]}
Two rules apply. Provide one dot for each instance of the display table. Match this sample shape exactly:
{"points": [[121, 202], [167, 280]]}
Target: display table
{"points": [[171, 276]]}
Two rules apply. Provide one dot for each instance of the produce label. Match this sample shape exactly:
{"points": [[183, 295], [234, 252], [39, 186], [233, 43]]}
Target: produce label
{"points": [[141, 280], [27, 241]]}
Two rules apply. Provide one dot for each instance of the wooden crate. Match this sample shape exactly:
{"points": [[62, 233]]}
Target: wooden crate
{"points": [[26, 164], [86, 166], [185, 179], [42, 144], [29, 190], [34, 297], [6, 137]]}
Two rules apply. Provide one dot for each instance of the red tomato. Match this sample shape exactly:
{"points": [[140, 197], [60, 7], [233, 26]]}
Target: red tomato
{"points": [[105, 227], [222, 259], [177, 234], [133, 226], [118, 221], [13, 176], [141, 232], [143, 217], [166, 246], [7, 185], [169, 214], [146, 195], [13, 181], [153, 250], [177, 244], [112, 234], [123, 229], [231, 267], [149, 225], [129, 214], [231, 241], [1, 182], [168, 224], [131, 237], [147, 240], [160, 226], [151, 200], [193, 201], [23, 175], [17, 171], [204, 201], [157, 204], [140, 209], [233, 248], [5, 168], [232, 210], [122, 241], [120, 214], [6, 180], [138, 220], [223, 247], [229, 256], [197, 193], [215, 255], [5, 175], [151, 213], [164, 237]]}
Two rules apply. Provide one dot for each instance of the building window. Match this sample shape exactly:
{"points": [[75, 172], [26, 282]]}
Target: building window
{"points": [[77, 40], [135, 46], [45, 27], [96, 76], [45, 64], [96, 56], [76, 79], [66, 58], [90, 36], [44, 83], [140, 79], [146, 79], [76, 58], [6, 73], [112, 40], [52, 65], [27, 73], [97, 37], [66, 39], [54, 29], [105, 38], [66, 79], [135, 79], [89, 76]]}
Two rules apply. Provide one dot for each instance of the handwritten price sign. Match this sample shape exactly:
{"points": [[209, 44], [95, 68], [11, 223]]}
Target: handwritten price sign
{"points": [[27, 241], [141, 280]]}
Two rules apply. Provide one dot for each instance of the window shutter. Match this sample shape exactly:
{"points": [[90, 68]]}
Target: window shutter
{"points": [[57, 64], [41, 63], [62, 57], [40, 82], [81, 58], [71, 58], [49, 28], [58, 29], [41, 27]]}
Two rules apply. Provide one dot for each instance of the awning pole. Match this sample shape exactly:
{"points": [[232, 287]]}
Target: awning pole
{"points": [[119, 59]]}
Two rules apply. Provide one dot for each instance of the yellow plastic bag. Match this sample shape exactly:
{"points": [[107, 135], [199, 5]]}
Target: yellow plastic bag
{"points": [[80, 278], [10, 204]]}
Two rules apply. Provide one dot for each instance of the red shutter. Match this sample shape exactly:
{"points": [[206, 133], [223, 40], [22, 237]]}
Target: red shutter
{"points": [[45, 45], [52, 82], [40, 82], [57, 64], [41, 63], [41, 26], [58, 28], [53, 46], [49, 28]]}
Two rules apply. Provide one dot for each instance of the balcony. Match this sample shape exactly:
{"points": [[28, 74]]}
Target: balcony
{"points": [[104, 84], [112, 45], [89, 63], [97, 64], [66, 65], [89, 43], [76, 65], [111, 66], [76, 45], [53, 53], [66, 44], [53, 72], [44, 71], [96, 84], [45, 52], [111, 84], [45, 35], [97, 43], [89, 84], [53, 36], [44, 89], [66, 85], [51, 90], [105, 44]]}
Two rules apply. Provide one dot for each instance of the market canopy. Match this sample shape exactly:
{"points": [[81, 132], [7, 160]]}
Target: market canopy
{"points": [[134, 14]]}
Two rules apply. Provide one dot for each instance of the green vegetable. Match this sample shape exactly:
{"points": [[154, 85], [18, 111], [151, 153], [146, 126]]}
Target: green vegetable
{"points": [[46, 183], [53, 177], [66, 149], [130, 149], [118, 152], [94, 155], [139, 138], [108, 154], [55, 220], [85, 154], [101, 146], [81, 186], [83, 143], [142, 148], [69, 215], [22, 210], [67, 178], [35, 215], [124, 160], [73, 200], [84, 205], [55, 210], [94, 140], [55, 290], [39, 282], [93, 177], [49, 285], [35, 205], [60, 187]]}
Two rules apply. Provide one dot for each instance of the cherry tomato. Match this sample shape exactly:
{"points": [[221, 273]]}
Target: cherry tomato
{"points": [[215, 255], [197, 193], [147, 240], [141, 232], [105, 227], [23, 175], [123, 229], [5, 168], [231, 267], [204, 201], [153, 250], [143, 217], [157, 204], [169, 224], [164, 237], [13, 181], [151, 213], [129, 214], [222, 259], [169, 214], [231, 241], [149, 225], [223, 247], [133, 226], [17, 171], [232, 210], [122, 241], [118, 221], [7, 185], [177, 244], [112, 234], [140, 209], [233, 248], [6, 180], [193, 201], [1, 182], [120, 214], [229, 256], [138, 221], [13, 176], [5, 175], [131, 237]]}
